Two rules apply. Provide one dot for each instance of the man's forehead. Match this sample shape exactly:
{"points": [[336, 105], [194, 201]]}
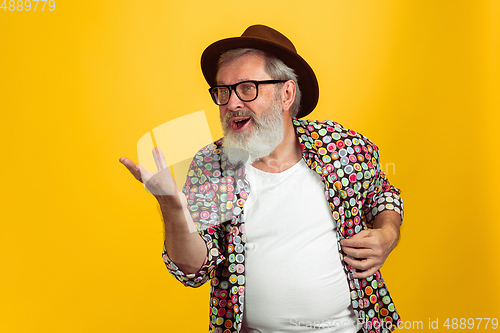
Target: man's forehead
{"points": [[247, 63]]}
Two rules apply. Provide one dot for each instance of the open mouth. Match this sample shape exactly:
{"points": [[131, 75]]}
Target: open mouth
{"points": [[238, 123]]}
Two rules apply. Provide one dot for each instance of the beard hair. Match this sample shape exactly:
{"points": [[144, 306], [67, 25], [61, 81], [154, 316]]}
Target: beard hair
{"points": [[251, 146]]}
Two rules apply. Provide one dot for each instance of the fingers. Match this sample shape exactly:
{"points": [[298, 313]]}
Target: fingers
{"points": [[366, 267], [358, 240], [358, 253], [132, 167], [362, 265], [157, 183], [159, 159], [367, 273]]}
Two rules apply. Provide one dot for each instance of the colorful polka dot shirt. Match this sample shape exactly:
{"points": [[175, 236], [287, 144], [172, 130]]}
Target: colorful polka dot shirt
{"points": [[355, 188]]}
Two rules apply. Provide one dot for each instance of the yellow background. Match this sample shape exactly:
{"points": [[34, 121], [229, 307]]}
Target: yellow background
{"points": [[80, 239]]}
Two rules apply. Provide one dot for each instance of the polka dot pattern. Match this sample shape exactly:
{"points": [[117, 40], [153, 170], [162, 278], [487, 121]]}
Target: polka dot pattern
{"points": [[355, 187]]}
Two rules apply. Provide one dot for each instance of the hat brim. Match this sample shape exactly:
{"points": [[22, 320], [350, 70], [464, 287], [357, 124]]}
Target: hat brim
{"points": [[306, 78]]}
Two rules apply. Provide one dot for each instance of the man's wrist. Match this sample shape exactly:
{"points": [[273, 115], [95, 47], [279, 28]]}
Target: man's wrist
{"points": [[389, 221], [169, 202]]}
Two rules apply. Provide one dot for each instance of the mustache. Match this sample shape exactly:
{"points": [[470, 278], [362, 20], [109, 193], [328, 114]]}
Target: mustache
{"points": [[240, 113]]}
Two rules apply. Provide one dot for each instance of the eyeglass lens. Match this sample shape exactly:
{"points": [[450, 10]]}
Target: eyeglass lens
{"points": [[246, 91]]}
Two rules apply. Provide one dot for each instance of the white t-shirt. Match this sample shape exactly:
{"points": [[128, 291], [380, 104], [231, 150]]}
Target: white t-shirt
{"points": [[294, 280]]}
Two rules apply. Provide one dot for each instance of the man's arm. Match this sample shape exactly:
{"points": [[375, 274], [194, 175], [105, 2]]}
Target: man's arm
{"points": [[382, 210], [184, 245]]}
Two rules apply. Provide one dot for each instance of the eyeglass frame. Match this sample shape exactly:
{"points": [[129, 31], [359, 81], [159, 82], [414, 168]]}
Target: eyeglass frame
{"points": [[232, 87]]}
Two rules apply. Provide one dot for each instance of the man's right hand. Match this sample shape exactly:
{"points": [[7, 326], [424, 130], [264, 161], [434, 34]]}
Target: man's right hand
{"points": [[158, 183]]}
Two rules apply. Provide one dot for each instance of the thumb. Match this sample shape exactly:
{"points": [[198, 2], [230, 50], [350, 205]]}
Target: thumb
{"points": [[131, 167], [145, 174]]}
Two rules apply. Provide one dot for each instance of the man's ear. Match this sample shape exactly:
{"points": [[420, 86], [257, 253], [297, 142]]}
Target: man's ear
{"points": [[288, 94]]}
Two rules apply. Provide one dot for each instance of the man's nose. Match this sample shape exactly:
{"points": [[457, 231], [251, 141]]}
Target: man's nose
{"points": [[234, 102]]}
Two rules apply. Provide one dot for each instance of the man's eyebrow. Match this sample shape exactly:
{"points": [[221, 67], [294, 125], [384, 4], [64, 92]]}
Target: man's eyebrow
{"points": [[220, 83]]}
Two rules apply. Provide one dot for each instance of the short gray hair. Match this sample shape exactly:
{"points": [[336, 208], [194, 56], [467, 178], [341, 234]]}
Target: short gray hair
{"points": [[272, 65]]}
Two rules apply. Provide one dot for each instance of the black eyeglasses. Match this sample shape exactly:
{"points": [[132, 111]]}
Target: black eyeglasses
{"points": [[247, 91]]}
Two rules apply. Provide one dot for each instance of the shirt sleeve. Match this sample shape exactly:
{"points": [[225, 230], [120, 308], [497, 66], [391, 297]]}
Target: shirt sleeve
{"points": [[382, 195], [213, 234], [207, 270]]}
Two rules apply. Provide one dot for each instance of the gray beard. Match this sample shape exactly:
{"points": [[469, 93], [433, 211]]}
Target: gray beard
{"points": [[251, 146]]}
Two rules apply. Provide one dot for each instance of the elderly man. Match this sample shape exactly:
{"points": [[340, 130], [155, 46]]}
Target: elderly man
{"points": [[293, 218]]}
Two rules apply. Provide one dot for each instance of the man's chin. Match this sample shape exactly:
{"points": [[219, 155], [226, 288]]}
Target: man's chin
{"points": [[237, 140], [236, 155]]}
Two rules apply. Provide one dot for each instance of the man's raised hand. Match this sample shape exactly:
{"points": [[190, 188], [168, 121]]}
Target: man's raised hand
{"points": [[158, 183]]}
